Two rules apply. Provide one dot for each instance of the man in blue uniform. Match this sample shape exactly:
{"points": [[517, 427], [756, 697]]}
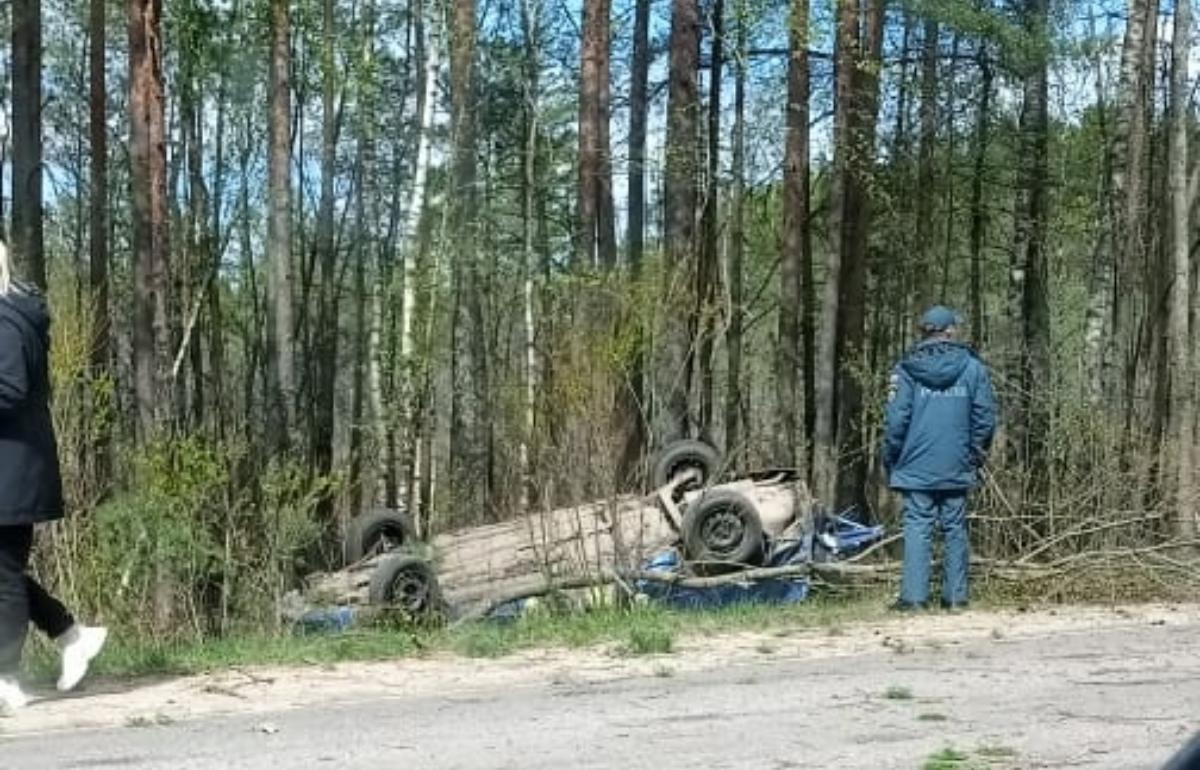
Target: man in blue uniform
{"points": [[940, 419]]}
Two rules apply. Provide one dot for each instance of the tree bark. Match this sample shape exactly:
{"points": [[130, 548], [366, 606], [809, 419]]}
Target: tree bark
{"points": [[734, 335], [847, 57], [150, 221], [589, 138], [1121, 269], [471, 429], [852, 433], [101, 353], [27, 240], [926, 287], [979, 218], [216, 244], [949, 205], [1182, 376], [194, 270], [1028, 276], [606, 221], [683, 107], [373, 239], [358, 396], [429, 41], [596, 237], [709, 273], [531, 27], [329, 323], [632, 396], [148, 177], [796, 264], [279, 230]]}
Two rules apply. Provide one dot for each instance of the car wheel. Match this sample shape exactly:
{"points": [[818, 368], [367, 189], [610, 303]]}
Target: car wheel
{"points": [[684, 458], [407, 584], [375, 532], [722, 531]]}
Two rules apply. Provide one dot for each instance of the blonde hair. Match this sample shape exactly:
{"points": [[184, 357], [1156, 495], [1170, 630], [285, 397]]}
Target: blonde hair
{"points": [[6, 278]]}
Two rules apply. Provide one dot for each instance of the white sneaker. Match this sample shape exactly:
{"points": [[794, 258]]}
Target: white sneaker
{"points": [[79, 645], [12, 697]]}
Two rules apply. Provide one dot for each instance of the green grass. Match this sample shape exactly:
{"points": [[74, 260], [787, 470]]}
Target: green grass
{"points": [[932, 717], [948, 759], [984, 757], [649, 639], [996, 752], [124, 657], [643, 630], [896, 692]]}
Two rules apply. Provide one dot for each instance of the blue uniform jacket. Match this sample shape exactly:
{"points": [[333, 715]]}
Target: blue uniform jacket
{"points": [[940, 418]]}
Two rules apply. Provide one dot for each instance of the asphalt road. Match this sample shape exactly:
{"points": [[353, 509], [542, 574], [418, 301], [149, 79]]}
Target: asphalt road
{"points": [[1123, 699]]}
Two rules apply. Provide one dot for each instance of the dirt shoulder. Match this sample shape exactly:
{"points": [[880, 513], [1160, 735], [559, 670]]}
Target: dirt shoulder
{"points": [[262, 690]]}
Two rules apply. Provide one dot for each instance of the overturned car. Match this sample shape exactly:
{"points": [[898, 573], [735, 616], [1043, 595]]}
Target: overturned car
{"points": [[694, 523]]}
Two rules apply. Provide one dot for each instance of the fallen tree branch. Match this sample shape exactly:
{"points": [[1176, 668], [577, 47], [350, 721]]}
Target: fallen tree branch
{"points": [[1125, 553], [876, 547], [1082, 531], [846, 572]]}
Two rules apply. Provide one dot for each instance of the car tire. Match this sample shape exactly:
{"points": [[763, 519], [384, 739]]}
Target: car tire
{"points": [[405, 583], [722, 531], [375, 532], [682, 456]]}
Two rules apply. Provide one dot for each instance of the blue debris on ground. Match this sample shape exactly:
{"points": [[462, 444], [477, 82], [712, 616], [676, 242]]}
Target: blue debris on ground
{"points": [[833, 537]]}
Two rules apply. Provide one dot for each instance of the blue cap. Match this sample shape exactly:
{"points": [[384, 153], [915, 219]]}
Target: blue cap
{"points": [[939, 318]]}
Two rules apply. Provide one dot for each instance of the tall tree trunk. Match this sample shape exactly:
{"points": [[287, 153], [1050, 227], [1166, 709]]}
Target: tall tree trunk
{"points": [[470, 429], [216, 244], [148, 177], [101, 358], [372, 239], [1129, 185], [734, 335], [429, 41], [365, 406], [951, 159], [709, 273], [900, 131], [852, 433], [196, 235], [597, 241], [632, 396], [591, 53], [252, 342], [606, 221], [847, 58], [279, 230], [905, 281], [683, 108], [926, 288], [27, 241], [1029, 273], [358, 397], [1182, 374], [429, 260], [531, 27], [796, 263], [327, 331], [979, 220], [150, 221]]}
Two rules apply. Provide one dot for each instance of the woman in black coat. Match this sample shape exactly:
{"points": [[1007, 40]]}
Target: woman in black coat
{"points": [[30, 491]]}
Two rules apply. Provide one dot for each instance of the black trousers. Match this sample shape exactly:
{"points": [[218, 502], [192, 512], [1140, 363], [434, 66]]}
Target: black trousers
{"points": [[23, 600]]}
